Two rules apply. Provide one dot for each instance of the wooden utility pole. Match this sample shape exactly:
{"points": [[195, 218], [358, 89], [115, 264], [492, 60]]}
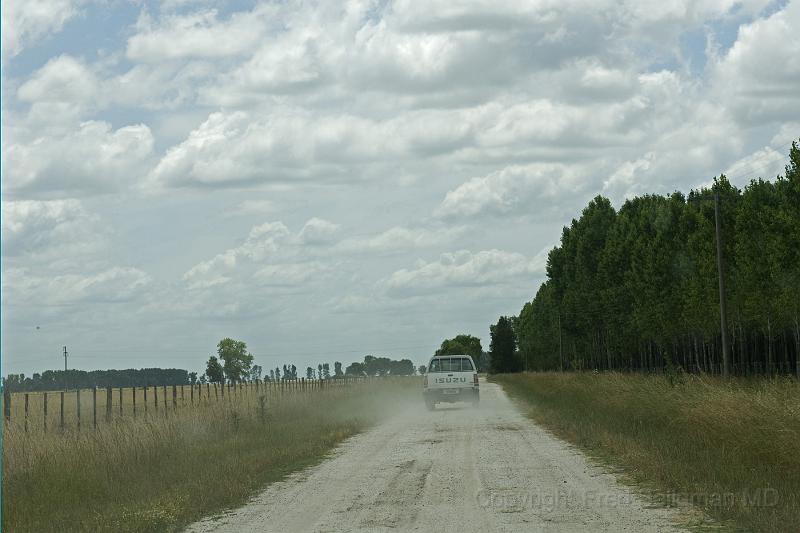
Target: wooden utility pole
{"points": [[560, 348], [723, 320], [65, 368]]}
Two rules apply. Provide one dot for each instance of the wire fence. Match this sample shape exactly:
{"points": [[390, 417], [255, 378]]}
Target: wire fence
{"points": [[89, 409]]}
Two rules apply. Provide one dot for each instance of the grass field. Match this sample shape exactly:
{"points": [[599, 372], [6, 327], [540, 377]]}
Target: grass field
{"points": [[158, 473], [731, 448]]}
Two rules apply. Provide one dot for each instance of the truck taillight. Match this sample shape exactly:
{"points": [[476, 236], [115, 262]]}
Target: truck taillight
{"points": [[475, 379]]}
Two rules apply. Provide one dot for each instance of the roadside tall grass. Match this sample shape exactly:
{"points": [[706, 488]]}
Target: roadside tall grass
{"points": [[731, 447], [160, 472]]}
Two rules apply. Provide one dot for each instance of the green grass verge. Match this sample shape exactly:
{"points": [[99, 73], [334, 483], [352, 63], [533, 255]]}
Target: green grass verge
{"points": [[731, 448], [163, 472]]}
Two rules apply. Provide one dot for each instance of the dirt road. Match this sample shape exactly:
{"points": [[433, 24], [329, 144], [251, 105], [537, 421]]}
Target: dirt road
{"points": [[455, 469]]}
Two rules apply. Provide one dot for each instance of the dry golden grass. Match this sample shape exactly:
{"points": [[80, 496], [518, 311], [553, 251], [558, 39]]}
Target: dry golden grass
{"points": [[159, 472], [701, 439]]}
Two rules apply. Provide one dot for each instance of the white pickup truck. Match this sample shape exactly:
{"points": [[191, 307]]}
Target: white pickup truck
{"points": [[451, 378]]}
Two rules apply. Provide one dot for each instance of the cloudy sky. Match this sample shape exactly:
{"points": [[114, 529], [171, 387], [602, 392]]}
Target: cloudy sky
{"points": [[326, 180]]}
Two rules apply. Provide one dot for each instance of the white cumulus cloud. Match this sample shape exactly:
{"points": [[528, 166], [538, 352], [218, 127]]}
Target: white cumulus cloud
{"points": [[462, 269]]}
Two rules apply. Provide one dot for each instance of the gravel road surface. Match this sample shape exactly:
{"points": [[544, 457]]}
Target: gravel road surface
{"points": [[456, 469]]}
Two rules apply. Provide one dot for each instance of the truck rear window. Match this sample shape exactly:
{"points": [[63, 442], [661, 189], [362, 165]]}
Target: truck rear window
{"points": [[453, 364]]}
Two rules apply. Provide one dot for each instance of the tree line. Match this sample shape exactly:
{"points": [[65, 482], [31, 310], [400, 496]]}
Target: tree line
{"points": [[232, 363], [82, 379], [637, 288]]}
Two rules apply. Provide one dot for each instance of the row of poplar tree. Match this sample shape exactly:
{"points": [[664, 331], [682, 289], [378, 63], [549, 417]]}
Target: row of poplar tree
{"points": [[637, 288]]}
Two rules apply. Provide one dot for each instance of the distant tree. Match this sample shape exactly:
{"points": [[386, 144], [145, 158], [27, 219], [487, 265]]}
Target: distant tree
{"points": [[294, 372], [214, 370], [193, 377], [236, 359], [319, 370], [337, 369], [203, 379], [272, 375], [465, 344], [326, 371], [355, 369], [504, 347], [277, 373], [255, 372], [376, 366], [461, 345], [380, 366], [403, 367], [51, 380], [422, 369], [309, 373]]}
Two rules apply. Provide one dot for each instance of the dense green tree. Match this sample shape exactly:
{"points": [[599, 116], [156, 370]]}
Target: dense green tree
{"points": [[461, 345], [214, 370], [355, 369], [504, 347], [467, 345], [638, 288], [236, 359]]}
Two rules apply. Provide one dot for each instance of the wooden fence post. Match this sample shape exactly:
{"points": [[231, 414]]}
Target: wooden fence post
{"points": [[191, 395], [45, 411], [78, 406], [216, 395], [109, 403], [183, 396], [165, 398], [133, 390], [26, 412], [94, 407], [120, 402], [7, 404], [62, 410], [145, 399], [155, 397], [174, 397]]}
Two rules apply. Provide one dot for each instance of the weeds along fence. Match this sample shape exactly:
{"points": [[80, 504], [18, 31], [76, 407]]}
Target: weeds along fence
{"points": [[90, 409]]}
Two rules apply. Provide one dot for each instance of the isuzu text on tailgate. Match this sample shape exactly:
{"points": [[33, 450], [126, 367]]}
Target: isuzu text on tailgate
{"points": [[451, 378]]}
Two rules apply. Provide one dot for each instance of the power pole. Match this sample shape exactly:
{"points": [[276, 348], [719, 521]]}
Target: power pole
{"points": [[560, 349], [723, 321], [65, 368]]}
